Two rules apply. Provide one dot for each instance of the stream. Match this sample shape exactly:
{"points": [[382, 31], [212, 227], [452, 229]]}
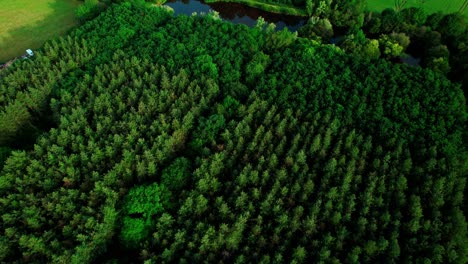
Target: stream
{"points": [[242, 14], [237, 13]]}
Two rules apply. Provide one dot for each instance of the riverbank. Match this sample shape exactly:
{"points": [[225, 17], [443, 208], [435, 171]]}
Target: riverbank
{"points": [[273, 8]]}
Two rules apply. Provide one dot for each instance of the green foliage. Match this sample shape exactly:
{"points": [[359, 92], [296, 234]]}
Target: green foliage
{"points": [[434, 20], [390, 47], [256, 67], [453, 26], [4, 154], [189, 139], [391, 21], [414, 16], [348, 13], [205, 66], [134, 231], [14, 119], [401, 38], [310, 5], [88, 10], [145, 200], [425, 36], [371, 49], [176, 176], [229, 107], [140, 206], [437, 59], [317, 27], [280, 39], [361, 47], [207, 131]]}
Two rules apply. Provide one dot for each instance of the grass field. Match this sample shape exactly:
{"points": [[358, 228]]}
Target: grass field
{"points": [[29, 23], [431, 6]]}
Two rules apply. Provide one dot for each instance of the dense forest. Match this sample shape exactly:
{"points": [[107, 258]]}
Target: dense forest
{"points": [[144, 137], [437, 41]]}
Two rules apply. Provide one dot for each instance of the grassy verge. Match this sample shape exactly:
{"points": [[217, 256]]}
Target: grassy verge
{"points": [[273, 8], [431, 6], [28, 24]]}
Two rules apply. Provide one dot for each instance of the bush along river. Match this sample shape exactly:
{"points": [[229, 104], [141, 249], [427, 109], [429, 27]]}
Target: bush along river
{"points": [[237, 13], [242, 14]]}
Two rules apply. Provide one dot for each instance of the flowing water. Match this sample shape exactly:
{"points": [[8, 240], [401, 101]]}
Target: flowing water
{"points": [[237, 13]]}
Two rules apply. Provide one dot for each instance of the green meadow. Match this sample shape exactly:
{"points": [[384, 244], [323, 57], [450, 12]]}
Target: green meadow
{"points": [[29, 23], [431, 6]]}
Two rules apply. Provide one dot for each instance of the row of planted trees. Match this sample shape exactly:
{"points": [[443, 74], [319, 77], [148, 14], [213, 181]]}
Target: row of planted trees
{"points": [[188, 139]]}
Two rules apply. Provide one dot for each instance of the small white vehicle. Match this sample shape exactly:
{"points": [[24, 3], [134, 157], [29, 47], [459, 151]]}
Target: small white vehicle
{"points": [[29, 53]]}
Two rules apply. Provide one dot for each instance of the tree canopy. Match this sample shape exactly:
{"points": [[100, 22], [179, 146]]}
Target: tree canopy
{"points": [[189, 139]]}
